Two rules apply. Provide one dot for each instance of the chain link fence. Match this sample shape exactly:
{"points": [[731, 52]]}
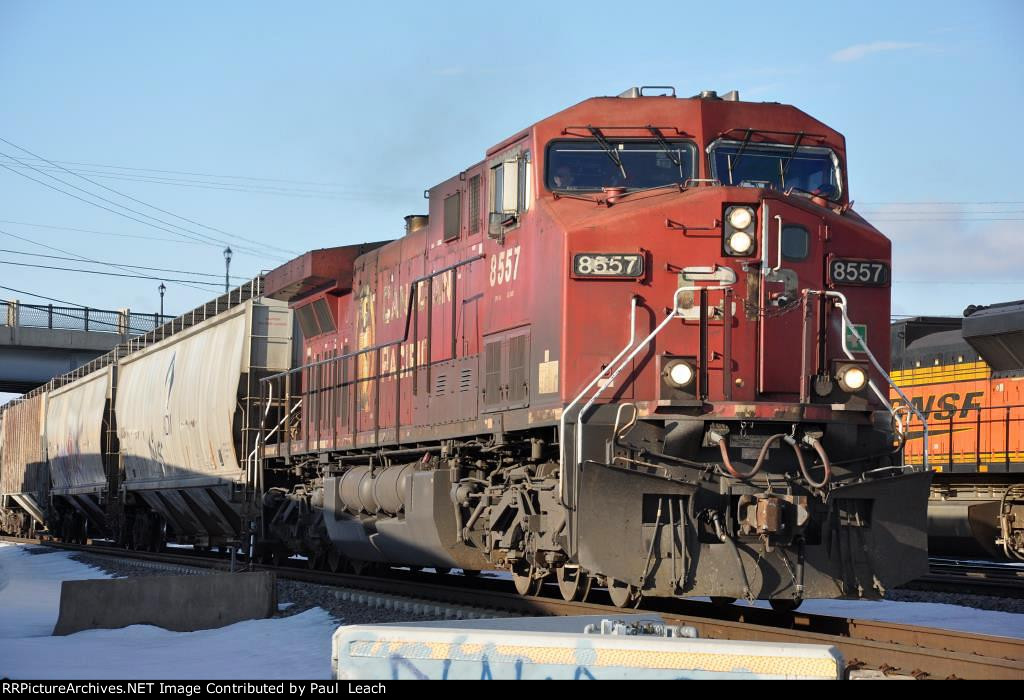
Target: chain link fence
{"points": [[77, 318]]}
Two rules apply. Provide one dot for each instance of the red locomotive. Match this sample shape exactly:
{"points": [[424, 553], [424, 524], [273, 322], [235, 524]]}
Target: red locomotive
{"points": [[634, 345]]}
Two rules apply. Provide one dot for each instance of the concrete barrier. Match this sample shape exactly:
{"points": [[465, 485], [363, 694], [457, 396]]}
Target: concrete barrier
{"points": [[178, 603], [530, 649]]}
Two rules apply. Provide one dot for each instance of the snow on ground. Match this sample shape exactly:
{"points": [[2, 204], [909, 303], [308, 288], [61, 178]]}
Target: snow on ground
{"points": [[30, 591], [291, 647], [941, 615]]}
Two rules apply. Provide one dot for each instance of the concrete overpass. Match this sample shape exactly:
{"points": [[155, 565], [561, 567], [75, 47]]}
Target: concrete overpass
{"points": [[39, 342]]}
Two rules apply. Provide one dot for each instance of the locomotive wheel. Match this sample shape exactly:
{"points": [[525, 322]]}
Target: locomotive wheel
{"points": [[573, 582], [526, 580], [785, 604], [313, 559], [279, 557], [722, 600], [443, 569], [359, 567], [622, 594], [471, 572]]}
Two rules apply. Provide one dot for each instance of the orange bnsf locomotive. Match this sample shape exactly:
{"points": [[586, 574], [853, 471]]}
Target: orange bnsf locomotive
{"points": [[635, 346], [966, 378]]}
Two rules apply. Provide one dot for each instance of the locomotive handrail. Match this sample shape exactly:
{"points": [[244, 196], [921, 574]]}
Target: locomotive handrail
{"points": [[622, 364], [842, 304], [976, 424], [380, 346], [376, 348], [593, 382]]}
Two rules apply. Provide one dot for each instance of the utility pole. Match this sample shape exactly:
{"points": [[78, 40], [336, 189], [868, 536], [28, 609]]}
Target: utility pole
{"points": [[227, 269], [162, 288]]}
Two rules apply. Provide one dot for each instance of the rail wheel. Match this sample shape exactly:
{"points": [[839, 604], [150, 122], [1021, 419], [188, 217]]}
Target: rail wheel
{"points": [[722, 600], [442, 569], [573, 582], [622, 594], [313, 559], [785, 604], [527, 581], [471, 572]]}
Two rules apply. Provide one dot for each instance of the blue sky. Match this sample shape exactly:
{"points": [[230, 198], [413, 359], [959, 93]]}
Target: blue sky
{"points": [[342, 114]]}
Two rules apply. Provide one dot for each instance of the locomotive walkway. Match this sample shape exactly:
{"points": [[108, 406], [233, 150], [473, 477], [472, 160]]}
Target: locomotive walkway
{"points": [[39, 342]]}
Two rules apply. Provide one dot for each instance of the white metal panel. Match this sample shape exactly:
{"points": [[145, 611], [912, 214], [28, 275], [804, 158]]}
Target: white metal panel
{"points": [[74, 433], [176, 403], [455, 652], [23, 462]]}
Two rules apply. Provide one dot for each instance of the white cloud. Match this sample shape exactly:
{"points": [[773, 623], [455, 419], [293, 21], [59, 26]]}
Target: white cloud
{"points": [[859, 51], [946, 256]]}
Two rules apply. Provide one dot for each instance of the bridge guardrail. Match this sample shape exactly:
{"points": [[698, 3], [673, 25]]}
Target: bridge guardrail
{"points": [[78, 318]]}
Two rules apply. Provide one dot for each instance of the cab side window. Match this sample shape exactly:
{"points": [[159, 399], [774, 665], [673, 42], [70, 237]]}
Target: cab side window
{"points": [[509, 193]]}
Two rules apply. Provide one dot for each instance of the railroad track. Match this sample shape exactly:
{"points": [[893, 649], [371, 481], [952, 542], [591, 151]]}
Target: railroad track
{"points": [[1002, 579], [893, 648]]}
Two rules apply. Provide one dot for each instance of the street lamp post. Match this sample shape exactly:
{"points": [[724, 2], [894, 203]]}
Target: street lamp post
{"points": [[162, 288], [227, 269]]}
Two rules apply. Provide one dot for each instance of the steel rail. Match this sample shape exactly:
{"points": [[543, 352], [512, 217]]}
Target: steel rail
{"points": [[922, 652]]}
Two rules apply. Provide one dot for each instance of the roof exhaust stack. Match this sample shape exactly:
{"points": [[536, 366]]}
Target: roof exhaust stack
{"points": [[648, 91], [732, 96], [414, 222]]}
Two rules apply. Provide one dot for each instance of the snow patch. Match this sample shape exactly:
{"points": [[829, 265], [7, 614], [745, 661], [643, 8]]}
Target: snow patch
{"points": [[292, 647]]}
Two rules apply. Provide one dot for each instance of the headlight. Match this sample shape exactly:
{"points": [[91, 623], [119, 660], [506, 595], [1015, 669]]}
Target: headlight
{"points": [[738, 236], [679, 374], [852, 378], [741, 242], [740, 217]]}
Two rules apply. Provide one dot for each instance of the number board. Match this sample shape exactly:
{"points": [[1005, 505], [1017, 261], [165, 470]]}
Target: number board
{"points": [[605, 265], [868, 273]]}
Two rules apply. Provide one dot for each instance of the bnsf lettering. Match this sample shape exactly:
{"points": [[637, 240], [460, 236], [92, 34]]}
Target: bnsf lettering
{"points": [[947, 404]]}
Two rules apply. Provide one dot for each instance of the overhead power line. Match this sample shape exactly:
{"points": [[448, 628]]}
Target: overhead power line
{"points": [[146, 204], [124, 265], [237, 186], [109, 233], [106, 274], [940, 203], [84, 258], [40, 296], [332, 185], [129, 197], [122, 214]]}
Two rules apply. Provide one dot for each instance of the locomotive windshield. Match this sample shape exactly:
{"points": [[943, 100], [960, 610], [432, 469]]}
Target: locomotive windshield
{"points": [[780, 167], [587, 165]]}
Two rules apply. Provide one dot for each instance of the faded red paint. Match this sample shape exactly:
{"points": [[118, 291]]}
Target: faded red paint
{"points": [[578, 323]]}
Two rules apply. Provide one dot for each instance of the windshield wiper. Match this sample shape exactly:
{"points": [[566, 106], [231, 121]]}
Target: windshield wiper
{"points": [[608, 148], [735, 160], [656, 132], [789, 158]]}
